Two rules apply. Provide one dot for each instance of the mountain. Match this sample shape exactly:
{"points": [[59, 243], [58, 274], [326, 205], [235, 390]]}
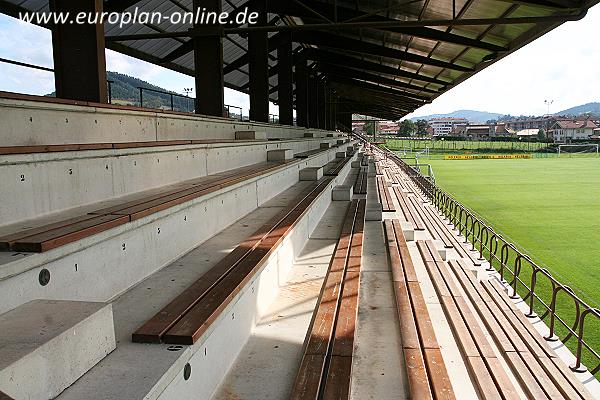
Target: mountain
{"points": [[593, 108], [472, 115], [125, 91]]}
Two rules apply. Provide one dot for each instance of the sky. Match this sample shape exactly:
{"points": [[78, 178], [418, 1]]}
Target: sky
{"points": [[561, 66]]}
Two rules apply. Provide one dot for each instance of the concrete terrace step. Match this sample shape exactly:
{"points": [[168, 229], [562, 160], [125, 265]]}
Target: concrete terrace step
{"points": [[160, 369], [144, 244], [45, 346]]}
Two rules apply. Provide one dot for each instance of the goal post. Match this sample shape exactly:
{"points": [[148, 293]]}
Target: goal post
{"points": [[578, 148]]}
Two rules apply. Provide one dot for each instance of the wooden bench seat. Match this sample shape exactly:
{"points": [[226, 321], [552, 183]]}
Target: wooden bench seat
{"points": [[407, 209], [4, 396], [425, 368], [50, 236], [61, 148], [360, 185], [186, 317], [484, 367], [541, 373], [384, 195], [333, 168], [309, 153], [326, 364]]}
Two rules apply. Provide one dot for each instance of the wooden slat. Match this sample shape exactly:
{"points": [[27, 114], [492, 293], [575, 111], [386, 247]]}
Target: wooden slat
{"points": [[410, 274], [408, 325], [485, 384], [7, 241], [321, 329], [4, 396], [407, 210], [133, 145], [418, 381], [157, 326], [54, 148], [343, 340], [54, 238], [438, 375], [424, 324], [308, 381], [339, 378], [195, 322]]}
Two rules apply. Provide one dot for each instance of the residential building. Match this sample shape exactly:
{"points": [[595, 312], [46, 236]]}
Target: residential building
{"points": [[572, 129], [538, 123], [445, 126]]}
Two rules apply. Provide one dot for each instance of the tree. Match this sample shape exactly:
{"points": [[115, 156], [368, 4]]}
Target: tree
{"points": [[541, 135], [406, 128], [421, 127], [369, 127]]}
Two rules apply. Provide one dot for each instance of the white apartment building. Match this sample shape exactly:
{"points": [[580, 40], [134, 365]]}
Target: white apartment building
{"points": [[445, 126]]}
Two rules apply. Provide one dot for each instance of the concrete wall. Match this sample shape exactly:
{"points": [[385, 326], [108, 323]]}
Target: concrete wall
{"points": [[27, 122], [35, 185], [99, 267]]}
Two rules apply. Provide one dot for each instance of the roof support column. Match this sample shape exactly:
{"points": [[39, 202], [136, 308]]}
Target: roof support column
{"points": [[258, 66], [285, 88], [322, 106], [208, 64], [313, 102], [332, 110], [301, 94], [79, 59]]}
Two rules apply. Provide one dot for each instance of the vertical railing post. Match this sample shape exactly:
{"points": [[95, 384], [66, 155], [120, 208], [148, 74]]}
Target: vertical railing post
{"points": [[141, 97]]}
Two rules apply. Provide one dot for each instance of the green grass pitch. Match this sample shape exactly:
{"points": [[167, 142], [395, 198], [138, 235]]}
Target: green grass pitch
{"points": [[550, 208]]}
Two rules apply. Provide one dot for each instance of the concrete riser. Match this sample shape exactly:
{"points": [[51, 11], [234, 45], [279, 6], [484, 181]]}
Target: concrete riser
{"points": [[39, 184], [27, 123], [231, 331], [100, 267]]}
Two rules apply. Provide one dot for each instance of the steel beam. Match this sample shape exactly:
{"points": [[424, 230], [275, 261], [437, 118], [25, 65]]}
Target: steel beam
{"points": [[313, 102], [79, 59], [301, 94], [208, 66], [285, 84], [258, 66]]}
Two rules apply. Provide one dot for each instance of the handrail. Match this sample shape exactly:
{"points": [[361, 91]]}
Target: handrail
{"points": [[524, 277]]}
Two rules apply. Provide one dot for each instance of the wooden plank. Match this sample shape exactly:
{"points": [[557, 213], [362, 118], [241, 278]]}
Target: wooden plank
{"points": [[528, 382], [422, 318], [159, 324], [418, 380], [197, 320], [342, 250], [545, 382], [343, 340], [438, 375], [459, 328], [4, 396], [322, 326], [501, 379], [410, 273], [308, 380], [339, 378], [393, 252], [356, 245], [483, 380], [54, 148], [54, 238], [408, 325], [568, 384], [7, 241], [156, 143]]}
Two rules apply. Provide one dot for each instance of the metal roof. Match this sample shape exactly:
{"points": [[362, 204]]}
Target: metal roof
{"points": [[383, 58]]}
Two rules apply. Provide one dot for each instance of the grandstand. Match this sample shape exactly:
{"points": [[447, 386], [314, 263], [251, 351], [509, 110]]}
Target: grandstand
{"points": [[154, 254]]}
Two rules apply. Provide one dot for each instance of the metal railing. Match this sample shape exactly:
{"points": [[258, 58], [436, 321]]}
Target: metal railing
{"points": [[185, 103], [229, 115], [565, 313]]}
